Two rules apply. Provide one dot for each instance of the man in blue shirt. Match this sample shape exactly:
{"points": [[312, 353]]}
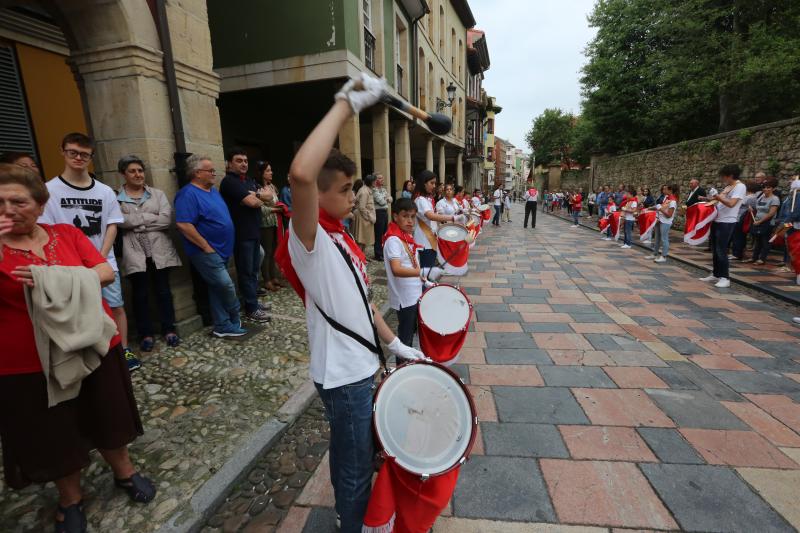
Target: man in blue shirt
{"points": [[243, 198], [208, 236]]}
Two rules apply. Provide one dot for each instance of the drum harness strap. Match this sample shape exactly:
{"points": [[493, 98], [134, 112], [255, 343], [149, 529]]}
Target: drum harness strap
{"points": [[374, 348]]}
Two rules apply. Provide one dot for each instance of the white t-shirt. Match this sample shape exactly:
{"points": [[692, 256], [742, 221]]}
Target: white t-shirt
{"points": [[90, 209], [632, 205], [731, 214], [445, 207], [476, 202], [403, 292], [532, 197], [465, 204], [664, 219], [498, 195], [336, 359], [507, 201], [423, 206]]}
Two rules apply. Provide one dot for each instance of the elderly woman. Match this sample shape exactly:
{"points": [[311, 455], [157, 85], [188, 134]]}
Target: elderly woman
{"points": [[42, 443], [147, 250], [364, 219]]}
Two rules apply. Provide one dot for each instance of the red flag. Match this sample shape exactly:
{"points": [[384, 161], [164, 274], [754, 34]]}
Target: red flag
{"points": [[647, 222], [402, 503], [793, 243], [698, 223], [603, 223], [614, 220]]}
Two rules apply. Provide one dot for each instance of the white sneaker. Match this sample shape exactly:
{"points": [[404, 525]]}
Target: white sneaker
{"points": [[651, 256], [796, 320], [606, 238], [710, 277], [723, 283], [625, 246], [648, 241], [731, 257], [661, 259]]}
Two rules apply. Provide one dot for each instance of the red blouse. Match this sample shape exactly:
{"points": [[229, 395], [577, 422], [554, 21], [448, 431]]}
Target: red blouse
{"points": [[67, 246]]}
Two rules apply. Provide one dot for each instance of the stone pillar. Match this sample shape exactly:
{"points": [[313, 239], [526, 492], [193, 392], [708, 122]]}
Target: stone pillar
{"points": [[402, 154], [429, 154], [380, 142], [460, 168], [441, 173], [350, 141]]}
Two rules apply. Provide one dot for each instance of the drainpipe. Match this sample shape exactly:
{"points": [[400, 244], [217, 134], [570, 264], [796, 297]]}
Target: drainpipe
{"points": [[180, 155]]}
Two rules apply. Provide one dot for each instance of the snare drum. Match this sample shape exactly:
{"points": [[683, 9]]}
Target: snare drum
{"points": [[444, 315], [424, 418], [486, 212], [453, 247]]}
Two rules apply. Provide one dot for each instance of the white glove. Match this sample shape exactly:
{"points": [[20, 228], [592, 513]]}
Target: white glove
{"points": [[460, 219], [406, 352], [428, 284], [433, 273], [370, 93]]}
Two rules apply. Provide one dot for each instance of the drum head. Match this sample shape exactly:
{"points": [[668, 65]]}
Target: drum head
{"points": [[444, 309], [452, 232], [424, 419], [484, 207]]}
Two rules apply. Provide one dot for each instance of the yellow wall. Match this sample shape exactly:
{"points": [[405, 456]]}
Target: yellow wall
{"points": [[54, 103]]}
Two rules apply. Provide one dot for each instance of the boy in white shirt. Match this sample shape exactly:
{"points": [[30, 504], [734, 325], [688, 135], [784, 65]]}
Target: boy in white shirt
{"points": [[628, 209], [723, 226], [328, 269]]}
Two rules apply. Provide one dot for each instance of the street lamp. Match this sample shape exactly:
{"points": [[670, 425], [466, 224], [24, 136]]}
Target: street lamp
{"points": [[451, 95]]}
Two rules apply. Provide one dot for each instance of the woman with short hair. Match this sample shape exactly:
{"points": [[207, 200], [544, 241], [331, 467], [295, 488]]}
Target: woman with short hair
{"points": [[364, 215], [47, 434], [147, 250]]}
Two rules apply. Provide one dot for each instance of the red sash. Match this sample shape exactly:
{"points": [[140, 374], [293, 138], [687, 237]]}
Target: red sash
{"points": [[331, 226]]}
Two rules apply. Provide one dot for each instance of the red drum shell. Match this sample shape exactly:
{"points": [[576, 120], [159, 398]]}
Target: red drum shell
{"points": [[441, 347]]}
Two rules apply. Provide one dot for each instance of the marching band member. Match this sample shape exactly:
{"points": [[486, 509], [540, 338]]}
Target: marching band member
{"points": [[327, 269], [610, 208], [448, 205], [427, 218], [629, 208], [462, 200], [477, 201], [723, 226], [665, 212], [789, 222]]}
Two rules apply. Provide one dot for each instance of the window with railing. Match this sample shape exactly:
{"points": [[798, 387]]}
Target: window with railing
{"points": [[401, 81], [369, 49]]}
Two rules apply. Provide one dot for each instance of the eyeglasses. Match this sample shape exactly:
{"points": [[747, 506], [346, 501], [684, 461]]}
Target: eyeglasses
{"points": [[75, 154], [212, 171]]}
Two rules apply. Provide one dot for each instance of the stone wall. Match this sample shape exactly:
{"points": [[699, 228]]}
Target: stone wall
{"points": [[577, 179], [773, 148]]}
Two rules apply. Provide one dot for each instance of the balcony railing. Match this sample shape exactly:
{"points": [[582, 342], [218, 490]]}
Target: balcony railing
{"points": [[369, 49]]}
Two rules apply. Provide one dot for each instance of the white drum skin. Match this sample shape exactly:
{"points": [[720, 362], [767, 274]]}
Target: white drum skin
{"points": [[452, 232], [444, 309]]}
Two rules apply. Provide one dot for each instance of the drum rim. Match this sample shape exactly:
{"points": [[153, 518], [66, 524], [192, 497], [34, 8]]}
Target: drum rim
{"points": [[445, 225], [473, 419], [469, 303]]}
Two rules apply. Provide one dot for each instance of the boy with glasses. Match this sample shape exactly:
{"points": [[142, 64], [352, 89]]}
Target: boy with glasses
{"points": [[77, 198]]}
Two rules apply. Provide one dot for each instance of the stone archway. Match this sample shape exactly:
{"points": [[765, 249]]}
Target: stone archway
{"points": [[117, 59]]}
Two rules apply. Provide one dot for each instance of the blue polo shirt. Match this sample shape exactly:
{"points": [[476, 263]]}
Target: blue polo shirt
{"points": [[206, 210]]}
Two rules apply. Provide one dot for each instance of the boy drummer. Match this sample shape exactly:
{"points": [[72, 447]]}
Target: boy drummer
{"points": [[328, 269], [404, 275]]}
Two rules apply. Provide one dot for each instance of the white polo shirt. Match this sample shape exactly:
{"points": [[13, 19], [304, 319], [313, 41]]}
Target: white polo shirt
{"points": [[336, 359], [423, 206], [727, 214], [447, 207], [403, 292]]}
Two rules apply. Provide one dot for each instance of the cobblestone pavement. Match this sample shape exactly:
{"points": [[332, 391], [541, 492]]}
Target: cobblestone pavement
{"points": [[612, 392], [198, 403], [769, 276]]}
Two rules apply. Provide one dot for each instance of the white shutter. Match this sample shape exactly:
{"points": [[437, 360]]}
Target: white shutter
{"points": [[16, 134]]}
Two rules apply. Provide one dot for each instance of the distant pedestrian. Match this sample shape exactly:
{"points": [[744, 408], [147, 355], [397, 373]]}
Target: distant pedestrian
{"points": [[507, 207], [723, 226], [590, 203], [382, 200], [531, 198], [497, 196], [408, 189], [576, 201], [763, 220], [629, 210]]}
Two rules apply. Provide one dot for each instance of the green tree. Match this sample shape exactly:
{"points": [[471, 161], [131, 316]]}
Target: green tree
{"points": [[661, 71], [550, 136]]}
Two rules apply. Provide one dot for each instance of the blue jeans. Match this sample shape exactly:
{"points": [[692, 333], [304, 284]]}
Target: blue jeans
{"points": [[247, 255], [348, 410], [661, 239], [602, 211], [497, 211], [221, 292], [628, 232], [575, 216]]}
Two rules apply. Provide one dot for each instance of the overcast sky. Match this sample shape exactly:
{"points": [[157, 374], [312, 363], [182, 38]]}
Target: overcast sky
{"points": [[536, 52]]}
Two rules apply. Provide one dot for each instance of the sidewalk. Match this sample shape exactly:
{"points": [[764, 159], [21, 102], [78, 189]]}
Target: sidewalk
{"points": [[765, 278], [611, 393]]}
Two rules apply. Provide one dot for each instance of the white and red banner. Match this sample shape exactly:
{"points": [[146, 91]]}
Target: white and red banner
{"points": [[616, 224], [793, 244], [698, 223], [647, 222]]}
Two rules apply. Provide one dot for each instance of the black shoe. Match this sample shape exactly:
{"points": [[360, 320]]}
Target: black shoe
{"points": [[139, 488], [74, 519]]}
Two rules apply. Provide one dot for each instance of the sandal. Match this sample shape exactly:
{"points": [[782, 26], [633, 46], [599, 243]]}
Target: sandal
{"points": [[147, 343], [139, 488], [172, 339], [74, 519]]}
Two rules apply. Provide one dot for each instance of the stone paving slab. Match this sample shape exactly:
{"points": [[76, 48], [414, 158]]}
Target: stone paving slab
{"points": [[694, 409], [523, 440], [544, 405]]}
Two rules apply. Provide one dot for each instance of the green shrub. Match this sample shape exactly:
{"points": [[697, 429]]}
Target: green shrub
{"points": [[714, 146], [745, 136], [773, 167]]}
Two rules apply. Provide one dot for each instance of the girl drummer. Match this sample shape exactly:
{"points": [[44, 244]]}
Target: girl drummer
{"points": [[448, 205], [427, 218]]}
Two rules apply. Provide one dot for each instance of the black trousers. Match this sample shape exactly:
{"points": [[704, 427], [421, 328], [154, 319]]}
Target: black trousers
{"points": [[141, 285], [406, 326], [381, 223], [530, 209], [722, 233], [761, 235]]}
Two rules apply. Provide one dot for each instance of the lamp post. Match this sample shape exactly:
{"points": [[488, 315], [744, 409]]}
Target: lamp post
{"points": [[451, 95]]}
